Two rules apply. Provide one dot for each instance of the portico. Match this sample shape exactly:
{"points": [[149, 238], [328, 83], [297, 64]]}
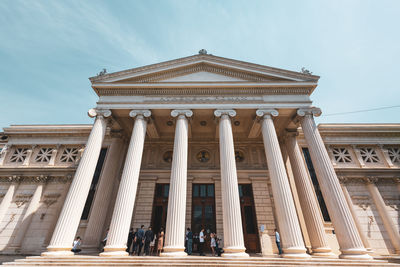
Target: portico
{"points": [[181, 108]]}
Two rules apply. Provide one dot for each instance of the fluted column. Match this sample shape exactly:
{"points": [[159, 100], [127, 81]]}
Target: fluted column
{"points": [[232, 220], [68, 221], [347, 235], [6, 201], [363, 237], [308, 199], [29, 213], [289, 227], [92, 237], [175, 226], [383, 213], [123, 209]]}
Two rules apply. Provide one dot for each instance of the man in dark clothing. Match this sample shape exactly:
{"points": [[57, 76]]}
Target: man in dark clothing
{"points": [[140, 239], [148, 237], [130, 240], [189, 241]]}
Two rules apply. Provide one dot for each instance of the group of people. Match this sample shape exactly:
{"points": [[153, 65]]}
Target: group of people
{"points": [[200, 242], [147, 239]]}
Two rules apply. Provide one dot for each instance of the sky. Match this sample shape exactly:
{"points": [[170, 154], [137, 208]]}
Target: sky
{"points": [[49, 49]]}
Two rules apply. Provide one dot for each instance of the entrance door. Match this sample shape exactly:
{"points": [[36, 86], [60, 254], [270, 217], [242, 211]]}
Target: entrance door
{"points": [[160, 207], [203, 212], [249, 222]]}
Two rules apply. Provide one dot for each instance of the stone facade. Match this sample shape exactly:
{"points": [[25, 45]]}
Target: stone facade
{"points": [[360, 164]]}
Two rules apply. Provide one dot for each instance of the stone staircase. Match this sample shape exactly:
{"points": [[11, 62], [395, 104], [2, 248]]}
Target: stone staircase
{"points": [[81, 260]]}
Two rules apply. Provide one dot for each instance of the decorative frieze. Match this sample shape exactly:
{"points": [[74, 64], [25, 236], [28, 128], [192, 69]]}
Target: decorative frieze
{"points": [[50, 199], [120, 91], [21, 199], [361, 201], [35, 179]]}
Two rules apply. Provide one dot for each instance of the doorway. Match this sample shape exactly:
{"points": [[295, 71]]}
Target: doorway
{"points": [[160, 207], [249, 222], [203, 213]]}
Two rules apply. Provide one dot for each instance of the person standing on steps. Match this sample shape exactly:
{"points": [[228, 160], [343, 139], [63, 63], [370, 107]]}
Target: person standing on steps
{"points": [[148, 237], [140, 239], [130, 241], [189, 241], [201, 242], [213, 244], [160, 241], [278, 241]]}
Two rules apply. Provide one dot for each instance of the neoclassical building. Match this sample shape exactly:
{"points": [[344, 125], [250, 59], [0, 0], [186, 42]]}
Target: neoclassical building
{"points": [[203, 141]]}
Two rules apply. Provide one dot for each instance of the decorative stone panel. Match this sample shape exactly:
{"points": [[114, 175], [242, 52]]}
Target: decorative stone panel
{"points": [[44, 155], [394, 154], [369, 155], [341, 155], [19, 155]]}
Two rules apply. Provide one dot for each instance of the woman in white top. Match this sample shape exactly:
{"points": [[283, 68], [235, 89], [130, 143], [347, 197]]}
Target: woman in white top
{"points": [[213, 244], [76, 244]]}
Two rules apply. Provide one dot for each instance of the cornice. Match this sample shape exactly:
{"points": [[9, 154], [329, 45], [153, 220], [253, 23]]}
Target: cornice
{"points": [[196, 59], [204, 91]]}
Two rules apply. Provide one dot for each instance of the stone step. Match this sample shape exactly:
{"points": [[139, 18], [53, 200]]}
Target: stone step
{"points": [[188, 261]]}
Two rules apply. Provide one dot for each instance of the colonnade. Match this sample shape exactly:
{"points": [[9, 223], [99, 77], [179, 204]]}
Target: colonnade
{"points": [[349, 240]]}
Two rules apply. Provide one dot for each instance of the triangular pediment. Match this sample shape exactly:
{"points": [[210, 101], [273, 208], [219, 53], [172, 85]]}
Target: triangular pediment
{"points": [[202, 72], [203, 69]]}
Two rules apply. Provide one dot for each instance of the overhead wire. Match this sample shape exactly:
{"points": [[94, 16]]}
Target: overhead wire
{"points": [[359, 111]]}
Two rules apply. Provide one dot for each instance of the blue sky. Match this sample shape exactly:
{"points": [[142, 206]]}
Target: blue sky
{"points": [[48, 49]]}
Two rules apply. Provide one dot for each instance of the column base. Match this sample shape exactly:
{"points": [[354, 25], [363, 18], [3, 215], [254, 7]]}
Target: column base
{"points": [[58, 252], [355, 254], [170, 251], [295, 253], [235, 252], [323, 252], [110, 251]]}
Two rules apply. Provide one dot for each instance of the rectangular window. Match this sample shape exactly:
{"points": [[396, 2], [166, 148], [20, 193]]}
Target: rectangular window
{"points": [[93, 186], [317, 189]]}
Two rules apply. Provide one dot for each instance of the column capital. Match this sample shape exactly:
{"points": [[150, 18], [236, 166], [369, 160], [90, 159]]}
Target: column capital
{"points": [[220, 112], [185, 112], [140, 112], [267, 112], [290, 133], [371, 180], [343, 179], [309, 111], [94, 112]]}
